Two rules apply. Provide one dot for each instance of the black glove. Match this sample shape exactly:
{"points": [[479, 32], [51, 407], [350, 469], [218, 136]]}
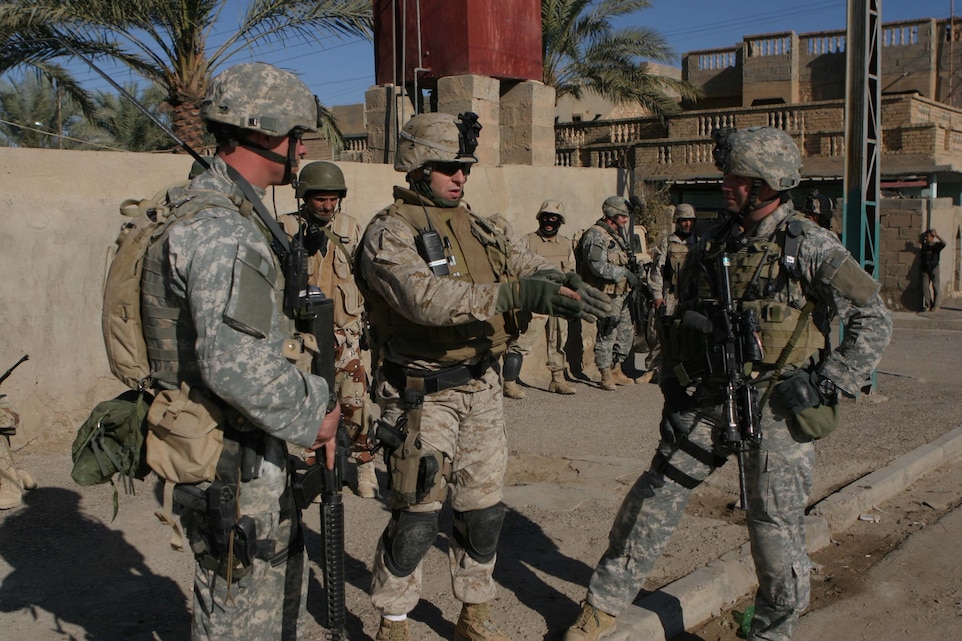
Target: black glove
{"points": [[597, 303], [539, 296], [804, 389], [632, 279]]}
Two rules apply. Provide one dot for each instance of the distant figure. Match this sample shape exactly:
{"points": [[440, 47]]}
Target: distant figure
{"points": [[12, 481], [819, 209], [932, 246]]}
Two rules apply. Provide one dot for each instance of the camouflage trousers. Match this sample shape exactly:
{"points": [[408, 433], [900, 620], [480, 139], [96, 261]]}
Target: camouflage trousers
{"points": [[615, 335], [555, 331], [350, 379], [466, 425], [778, 478]]}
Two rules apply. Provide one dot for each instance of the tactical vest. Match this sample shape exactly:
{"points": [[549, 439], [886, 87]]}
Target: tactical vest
{"points": [[617, 254], [555, 250], [477, 253], [776, 294], [677, 252]]}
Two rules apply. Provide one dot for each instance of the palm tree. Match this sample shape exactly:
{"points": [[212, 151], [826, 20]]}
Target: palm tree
{"points": [[125, 125], [166, 41], [34, 114], [583, 52]]}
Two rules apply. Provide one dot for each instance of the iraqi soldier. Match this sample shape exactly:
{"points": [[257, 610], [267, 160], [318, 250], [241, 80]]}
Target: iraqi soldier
{"points": [[663, 278], [547, 242], [331, 237], [213, 292], [798, 265], [603, 261], [13, 481], [442, 286]]}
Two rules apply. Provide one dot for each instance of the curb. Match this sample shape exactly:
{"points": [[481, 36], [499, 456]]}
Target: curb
{"points": [[702, 595]]}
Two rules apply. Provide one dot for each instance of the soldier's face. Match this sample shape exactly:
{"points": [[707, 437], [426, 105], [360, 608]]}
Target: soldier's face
{"points": [[447, 179], [684, 225], [736, 190], [322, 204]]}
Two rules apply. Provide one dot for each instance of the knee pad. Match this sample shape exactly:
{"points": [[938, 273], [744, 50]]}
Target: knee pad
{"points": [[512, 366], [477, 531], [407, 539]]}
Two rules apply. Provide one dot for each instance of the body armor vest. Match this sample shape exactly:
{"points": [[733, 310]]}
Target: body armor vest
{"points": [[616, 254], [555, 250], [677, 252], [477, 253]]}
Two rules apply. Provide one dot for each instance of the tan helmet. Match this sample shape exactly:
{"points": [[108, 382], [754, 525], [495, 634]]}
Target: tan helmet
{"points": [[552, 207], [684, 211], [615, 206], [255, 96], [321, 175], [435, 137], [766, 153]]}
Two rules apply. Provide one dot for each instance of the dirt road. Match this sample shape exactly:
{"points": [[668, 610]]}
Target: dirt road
{"points": [[67, 572]]}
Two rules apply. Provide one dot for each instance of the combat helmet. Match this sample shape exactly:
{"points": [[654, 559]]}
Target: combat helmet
{"points": [[684, 211], [552, 207], [819, 207], [321, 175], [255, 96], [615, 206], [437, 137], [765, 153]]}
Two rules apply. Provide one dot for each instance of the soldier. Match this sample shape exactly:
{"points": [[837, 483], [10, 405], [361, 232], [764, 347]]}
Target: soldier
{"points": [[331, 238], [663, 278], [932, 246], [212, 294], [603, 256], [819, 209], [799, 264], [442, 286], [546, 242], [13, 481]]}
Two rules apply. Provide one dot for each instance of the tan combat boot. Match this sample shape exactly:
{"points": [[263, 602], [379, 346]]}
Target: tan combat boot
{"points": [[393, 631], [475, 624], [606, 382], [592, 624], [619, 377], [559, 385], [513, 390], [647, 377], [366, 480]]}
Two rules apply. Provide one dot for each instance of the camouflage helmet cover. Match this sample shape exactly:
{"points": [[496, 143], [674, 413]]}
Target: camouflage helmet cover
{"points": [[615, 206], [434, 137], [684, 211], [321, 175], [766, 153], [552, 207], [255, 96]]}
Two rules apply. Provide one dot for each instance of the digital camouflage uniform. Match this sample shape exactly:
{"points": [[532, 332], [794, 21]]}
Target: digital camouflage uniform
{"points": [[778, 470], [603, 262], [213, 293]]}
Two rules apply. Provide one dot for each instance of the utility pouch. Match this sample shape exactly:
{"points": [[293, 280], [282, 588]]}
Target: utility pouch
{"points": [[416, 475], [817, 422], [185, 437]]}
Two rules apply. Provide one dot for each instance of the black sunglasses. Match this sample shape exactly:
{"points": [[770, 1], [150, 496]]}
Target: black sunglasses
{"points": [[451, 168]]}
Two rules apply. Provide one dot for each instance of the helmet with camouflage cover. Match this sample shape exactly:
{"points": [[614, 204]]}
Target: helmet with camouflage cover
{"points": [[820, 208], [436, 137], [615, 206], [765, 153], [321, 175], [255, 96], [684, 211], [552, 207]]}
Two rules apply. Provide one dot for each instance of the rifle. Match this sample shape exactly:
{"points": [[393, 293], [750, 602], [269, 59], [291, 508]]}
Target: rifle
{"points": [[7, 373]]}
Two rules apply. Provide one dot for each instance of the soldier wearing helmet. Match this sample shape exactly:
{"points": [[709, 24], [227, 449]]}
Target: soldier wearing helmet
{"points": [[547, 242], [443, 288], [211, 294], [603, 261], [819, 209], [779, 266]]}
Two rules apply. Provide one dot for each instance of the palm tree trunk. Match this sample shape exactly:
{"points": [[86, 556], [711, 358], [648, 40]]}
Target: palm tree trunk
{"points": [[187, 125]]}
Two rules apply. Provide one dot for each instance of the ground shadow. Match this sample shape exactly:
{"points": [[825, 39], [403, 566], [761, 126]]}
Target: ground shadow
{"points": [[84, 574]]}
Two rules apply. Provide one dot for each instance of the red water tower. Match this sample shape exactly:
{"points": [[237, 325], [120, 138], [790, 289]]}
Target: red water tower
{"points": [[437, 38]]}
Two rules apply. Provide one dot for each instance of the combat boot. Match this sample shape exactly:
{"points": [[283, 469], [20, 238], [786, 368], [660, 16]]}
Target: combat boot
{"points": [[559, 385], [393, 631], [513, 390], [619, 376], [475, 624], [606, 382], [592, 624], [367, 486]]}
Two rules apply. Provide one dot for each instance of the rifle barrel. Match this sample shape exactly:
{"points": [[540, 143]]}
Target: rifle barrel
{"points": [[7, 374]]}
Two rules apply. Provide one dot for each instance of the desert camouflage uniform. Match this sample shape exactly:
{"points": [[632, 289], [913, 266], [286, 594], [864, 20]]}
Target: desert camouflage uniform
{"points": [[669, 257], [234, 350], [12, 481], [554, 327], [605, 257], [778, 474], [464, 423]]}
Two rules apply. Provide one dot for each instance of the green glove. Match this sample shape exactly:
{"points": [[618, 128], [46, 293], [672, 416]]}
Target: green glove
{"points": [[597, 303], [539, 296]]}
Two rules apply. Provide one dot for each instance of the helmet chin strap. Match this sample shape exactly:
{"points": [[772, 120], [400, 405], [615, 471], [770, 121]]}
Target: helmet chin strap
{"points": [[752, 203], [288, 161]]}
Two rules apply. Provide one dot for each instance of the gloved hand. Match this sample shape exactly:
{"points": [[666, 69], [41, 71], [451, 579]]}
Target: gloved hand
{"points": [[597, 303], [804, 389], [537, 295], [632, 279]]}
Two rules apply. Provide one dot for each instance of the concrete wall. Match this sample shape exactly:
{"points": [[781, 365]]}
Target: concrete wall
{"points": [[59, 217]]}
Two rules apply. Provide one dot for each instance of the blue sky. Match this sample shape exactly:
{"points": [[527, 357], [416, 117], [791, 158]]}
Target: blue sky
{"points": [[342, 70]]}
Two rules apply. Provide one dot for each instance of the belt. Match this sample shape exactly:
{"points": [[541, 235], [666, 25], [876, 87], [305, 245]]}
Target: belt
{"points": [[433, 381]]}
